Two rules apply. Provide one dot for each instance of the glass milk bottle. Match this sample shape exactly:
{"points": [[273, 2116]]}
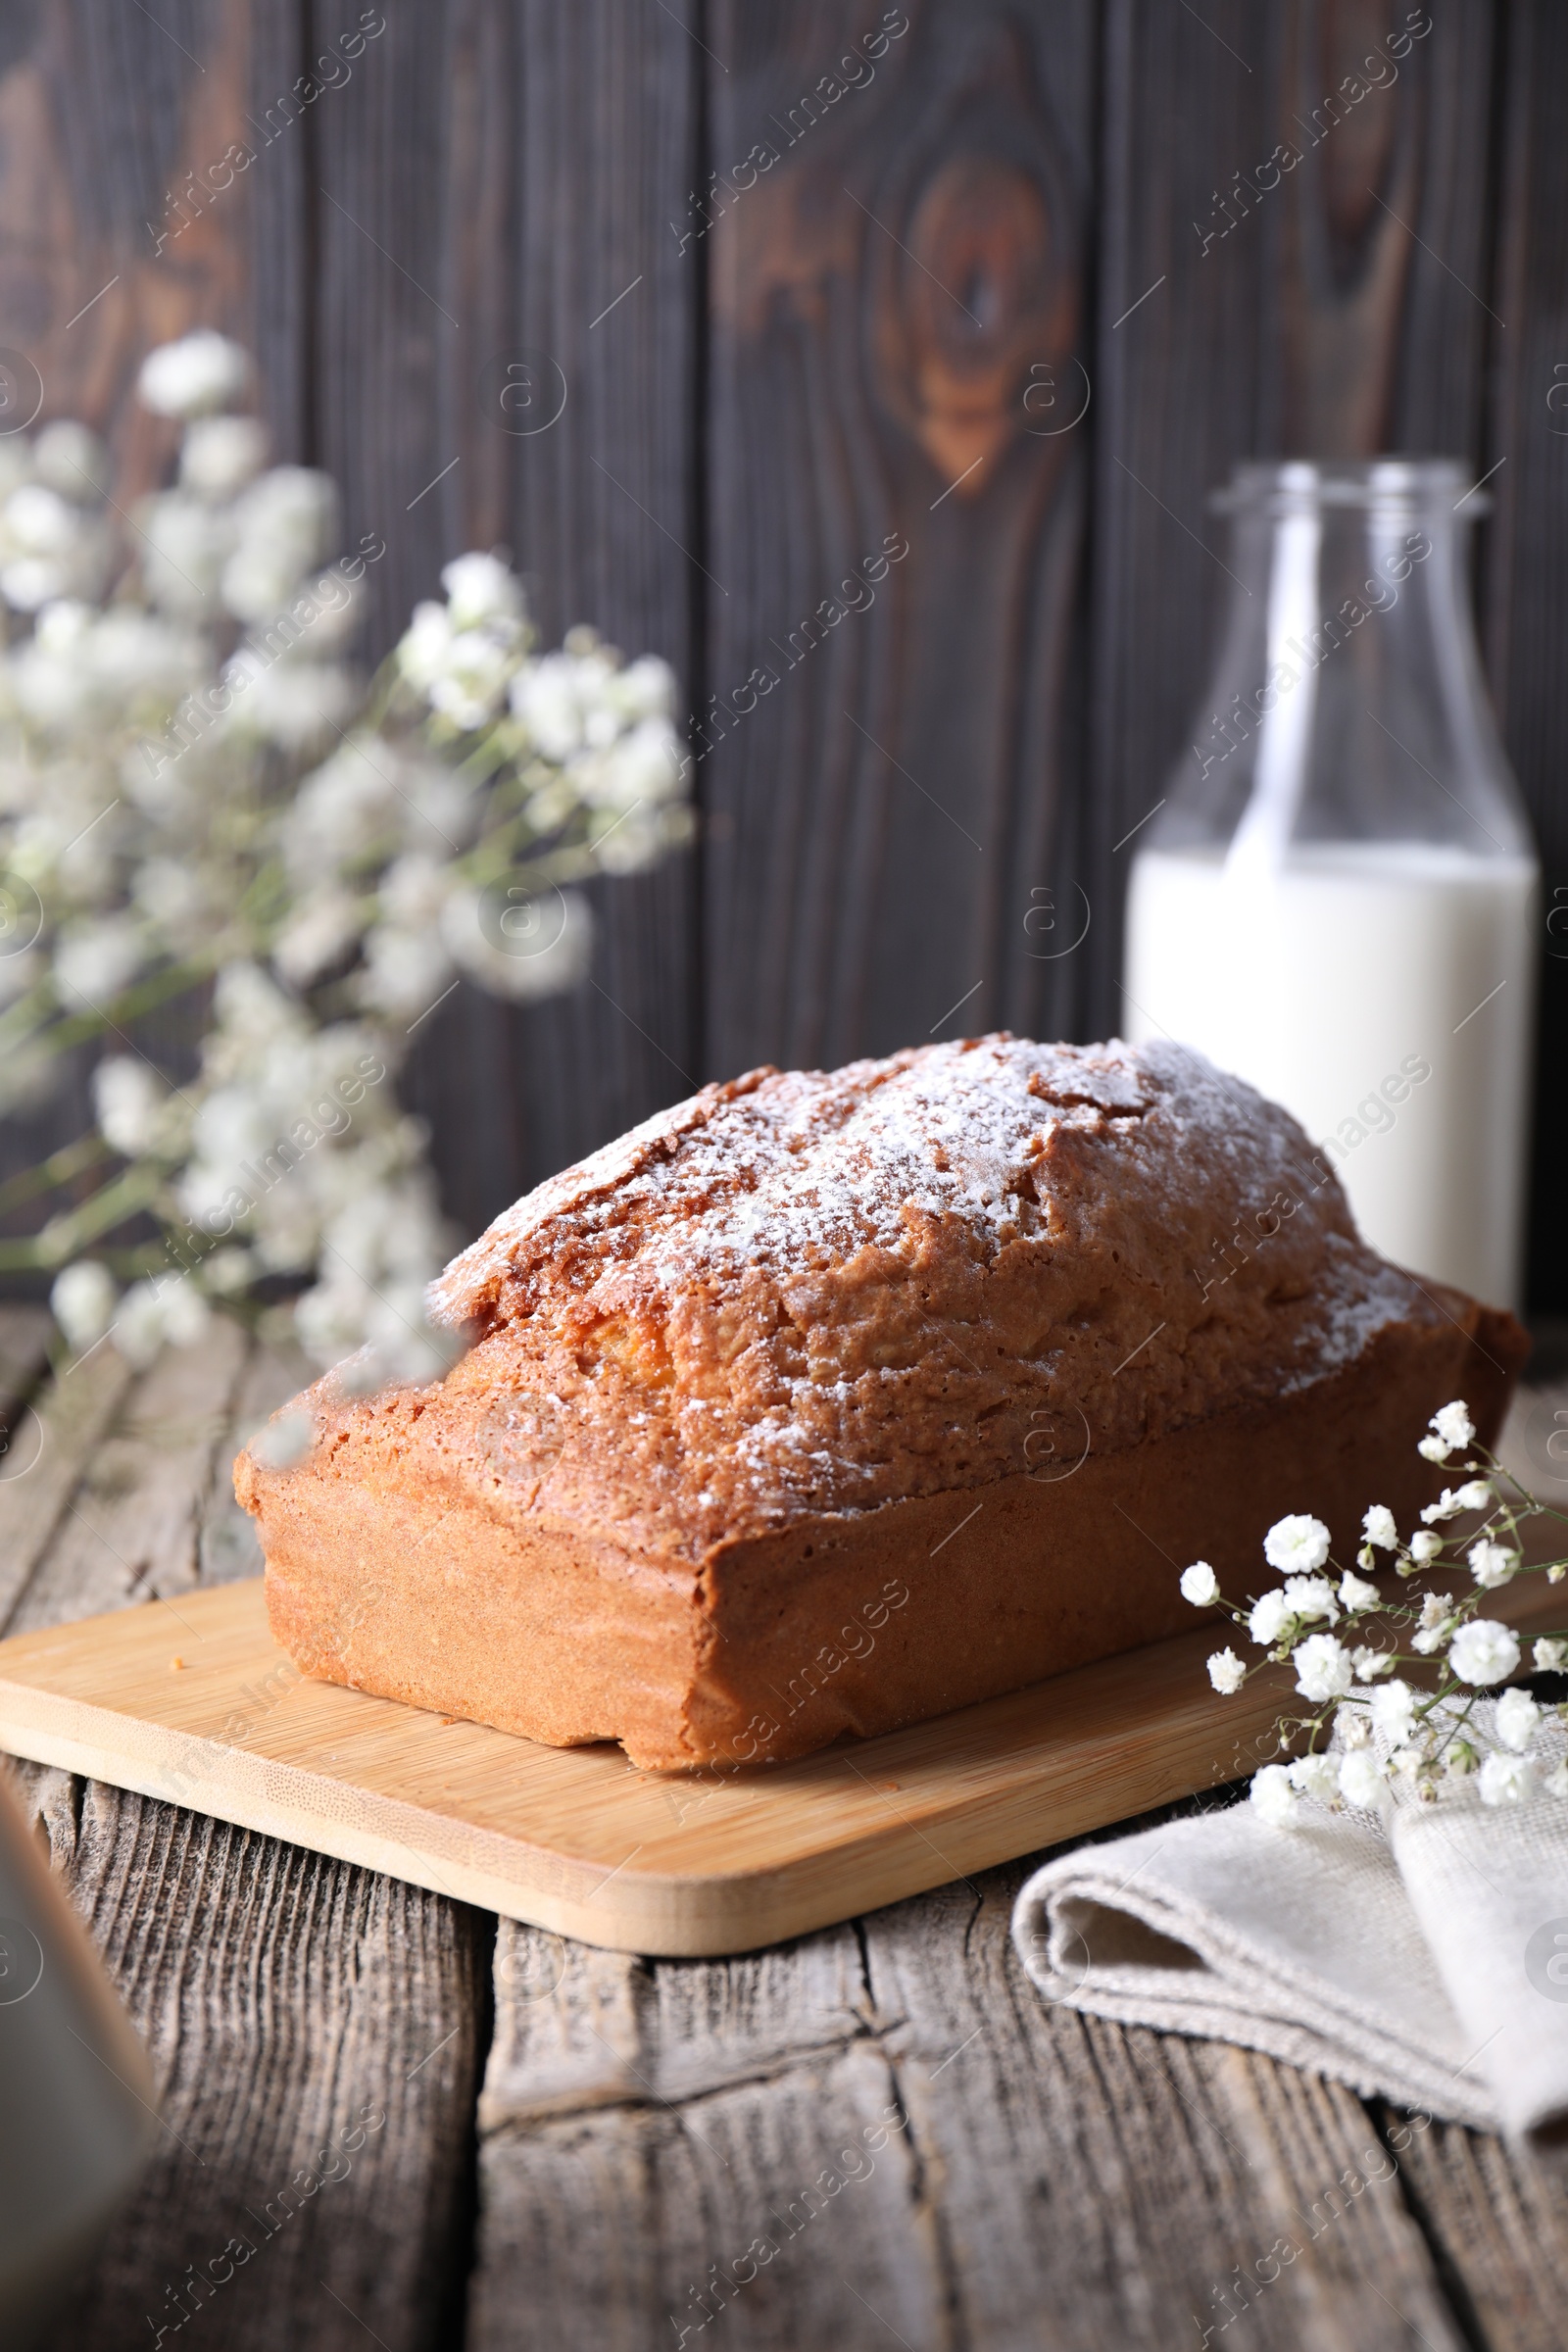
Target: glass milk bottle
{"points": [[1336, 901]]}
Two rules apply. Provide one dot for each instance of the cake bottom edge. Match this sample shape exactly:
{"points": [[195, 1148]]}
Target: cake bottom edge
{"points": [[779, 1645]]}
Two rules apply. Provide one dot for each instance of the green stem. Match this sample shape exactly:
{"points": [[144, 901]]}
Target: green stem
{"points": [[61, 1167], [134, 1190]]}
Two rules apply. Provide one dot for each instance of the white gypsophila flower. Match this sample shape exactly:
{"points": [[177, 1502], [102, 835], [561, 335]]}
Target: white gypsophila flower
{"points": [[82, 1302], [183, 547], [71, 459], [1274, 1797], [1449, 1506], [1484, 1651], [1433, 1449], [49, 549], [471, 684], [1226, 1672], [95, 961], [283, 1441], [227, 1273], [1351, 1727], [1425, 1547], [1310, 1597], [345, 813], [1378, 1528], [299, 706], [1323, 1669], [404, 971], [138, 1327], [1200, 1585], [1491, 1563], [545, 697], [200, 371], [641, 770], [634, 841], [1453, 1425], [1370, 1663], [1550, 1654], [186, 1313], [1476, 1495], [1394, 1710], [552, 956], [410, 1347], [286, 524], [327, 607], [1298, 1544], [1556, 1781], [482, 589], [330, 1320], [440, 808], [221, 455], [317, 936], [644, 689], [1316, 1776], [1505, 1779], [137, 662], [258, 580], [128, 1099], [421, 649], [252, 1010], [1269, 1618], [1517, 1718], [1436, 1609], [38, 522], [1361, 1779], [1358, 1594], [413, 890]]}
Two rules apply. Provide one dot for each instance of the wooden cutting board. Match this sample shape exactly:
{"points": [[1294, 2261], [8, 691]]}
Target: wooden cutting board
{"points": [[576, 1840]]}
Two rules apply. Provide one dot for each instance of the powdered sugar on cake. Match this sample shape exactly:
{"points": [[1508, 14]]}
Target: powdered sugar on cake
{"points": [[809, 1290]]}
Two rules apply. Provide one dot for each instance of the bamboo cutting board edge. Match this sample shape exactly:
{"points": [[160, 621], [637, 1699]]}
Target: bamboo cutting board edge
{"points": [[576, 1841]]}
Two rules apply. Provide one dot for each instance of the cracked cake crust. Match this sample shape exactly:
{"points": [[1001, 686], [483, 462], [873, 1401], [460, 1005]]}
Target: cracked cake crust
{"points": [[745, 1361]]}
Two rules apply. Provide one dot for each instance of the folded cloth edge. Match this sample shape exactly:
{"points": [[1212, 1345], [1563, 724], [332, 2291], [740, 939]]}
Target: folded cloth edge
{"points": [[1292, 2022]]}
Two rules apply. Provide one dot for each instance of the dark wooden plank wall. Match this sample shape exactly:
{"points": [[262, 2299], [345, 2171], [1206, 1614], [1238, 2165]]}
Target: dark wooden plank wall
{"points": [[862, 307]]}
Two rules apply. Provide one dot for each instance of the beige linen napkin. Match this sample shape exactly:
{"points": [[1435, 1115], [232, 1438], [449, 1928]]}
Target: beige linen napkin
{"points": [[1421, 1954]]}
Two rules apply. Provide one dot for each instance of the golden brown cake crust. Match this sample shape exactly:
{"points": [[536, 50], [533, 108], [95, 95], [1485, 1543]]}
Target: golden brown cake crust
{"points": [[809, 1290], [845, 1301]]}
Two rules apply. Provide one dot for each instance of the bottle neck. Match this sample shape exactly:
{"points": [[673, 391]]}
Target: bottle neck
{"points": [[1348, 701]]}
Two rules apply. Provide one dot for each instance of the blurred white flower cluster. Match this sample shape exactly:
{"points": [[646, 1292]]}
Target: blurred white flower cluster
{"points": [[1374, 1733], [202, 801]]}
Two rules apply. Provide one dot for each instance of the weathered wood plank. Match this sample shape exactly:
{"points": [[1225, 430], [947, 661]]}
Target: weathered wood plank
{"points": [[127, 216], [281, 1995], [271, 1376], [1497, 2221], [24, 1353], [552, 142], [51, 1446], [1104, 2187], [578, 2029], [314, 2031], [663, 2141], [1341, 308], [132, 1527], [891, 765], [1525, 566], [1058, 2181]]}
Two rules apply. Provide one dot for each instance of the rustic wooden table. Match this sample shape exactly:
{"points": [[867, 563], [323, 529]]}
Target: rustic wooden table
{"points": [[881, 2132]]}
